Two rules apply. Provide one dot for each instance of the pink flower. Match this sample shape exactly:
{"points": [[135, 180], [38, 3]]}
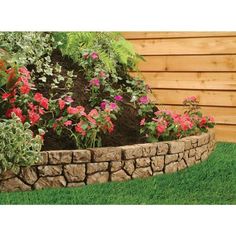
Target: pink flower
{"points": [[113, 106], [68, 99], [160, 128], [142, 122], [79, 129], [94, 55], [103, 105], [72, 110], [211, 119], [24, 71], [93, 113], [102, 74], [61, 104], [144, 100], [68, 123], [118, 98], [190, 99], [94, 82]]}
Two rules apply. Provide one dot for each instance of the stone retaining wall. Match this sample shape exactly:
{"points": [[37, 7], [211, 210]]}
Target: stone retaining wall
{"points": [[99, 165]]}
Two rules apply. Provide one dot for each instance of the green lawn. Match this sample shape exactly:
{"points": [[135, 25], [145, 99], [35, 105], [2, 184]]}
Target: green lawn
{"points": [[211, 182]]}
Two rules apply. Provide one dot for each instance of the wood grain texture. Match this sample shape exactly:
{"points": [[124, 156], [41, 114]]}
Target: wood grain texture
{"points": [[188, 63], [212, 98], [181, 64], [190, 80], [226, 133], [185, 46], [145, 35]]}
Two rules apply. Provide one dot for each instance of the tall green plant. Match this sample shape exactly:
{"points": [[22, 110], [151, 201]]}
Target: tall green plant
{"points": [[112, 48]]}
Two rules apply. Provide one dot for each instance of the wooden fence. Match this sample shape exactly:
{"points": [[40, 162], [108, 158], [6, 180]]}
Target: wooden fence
{"points": [[180, 64]]}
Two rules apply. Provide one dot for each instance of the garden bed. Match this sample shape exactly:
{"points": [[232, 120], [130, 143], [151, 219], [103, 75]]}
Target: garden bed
{"points": [[74, 168]]}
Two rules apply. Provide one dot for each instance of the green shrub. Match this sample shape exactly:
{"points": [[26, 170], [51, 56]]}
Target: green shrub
{"points": [[18, 147]]}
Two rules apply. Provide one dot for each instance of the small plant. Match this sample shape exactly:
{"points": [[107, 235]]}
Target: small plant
{"points": [[169, 125], [18, 146]]}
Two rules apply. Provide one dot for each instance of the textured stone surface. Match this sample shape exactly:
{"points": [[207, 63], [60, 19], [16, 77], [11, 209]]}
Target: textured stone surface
{"points": [[192, 152], [180, 156], [116, 165], [203, 139], [98, 165], [187, 143], [60, 157], [157, 163], [204, 156], [181, 165], [176, 147], [29, 174], [106, 154], [186, 155], [76, 184], [149, 149], [95, 167], [172, 167], [190, 161], [129, 166], [50, 182], [74, 172], [142, 172], [7, 175], [200, 151], [44, 159], [143, 162], [13, 184], [120, 175], [99, 177], [170, 158], [162, 148], [131, 152], [50, 170], [81, 156]]}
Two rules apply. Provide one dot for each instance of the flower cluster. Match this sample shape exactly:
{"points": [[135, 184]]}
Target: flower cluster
{"points": [[20, 98], [85, 127], [169, 125], [23, 100]]}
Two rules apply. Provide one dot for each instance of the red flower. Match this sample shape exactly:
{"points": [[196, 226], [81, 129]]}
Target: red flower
{"points": [[6, 96], [17, 111], [93, 113], [142, 122], [61, 104], [79, 129], [25, 89], [72, 110], [68, 123], [203, 121], [38, 97], [33, 117], [44, 103]]}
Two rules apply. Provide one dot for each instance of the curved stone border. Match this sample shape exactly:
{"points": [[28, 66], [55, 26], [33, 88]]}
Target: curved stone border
{"points": [[99, 165]]}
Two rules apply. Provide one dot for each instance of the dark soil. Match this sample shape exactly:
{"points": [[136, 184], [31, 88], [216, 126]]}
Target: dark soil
{"points": [[126, 126]]}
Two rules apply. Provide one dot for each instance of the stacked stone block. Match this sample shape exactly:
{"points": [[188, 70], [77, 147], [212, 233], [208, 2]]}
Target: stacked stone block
{"points": [[99, 165]]}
